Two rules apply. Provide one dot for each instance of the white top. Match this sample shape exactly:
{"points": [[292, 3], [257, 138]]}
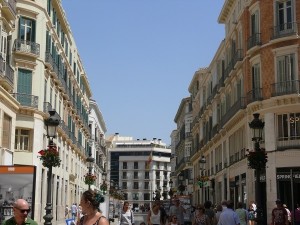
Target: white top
{"points": [[155, 218]]}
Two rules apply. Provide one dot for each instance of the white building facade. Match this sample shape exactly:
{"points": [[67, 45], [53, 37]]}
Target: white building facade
{"points": [[140, 168]]}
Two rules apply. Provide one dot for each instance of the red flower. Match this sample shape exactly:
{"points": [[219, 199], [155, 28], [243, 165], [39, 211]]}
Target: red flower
{"points": [[50, 157]]}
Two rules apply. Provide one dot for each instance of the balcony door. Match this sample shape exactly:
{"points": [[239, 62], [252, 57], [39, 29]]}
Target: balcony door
{"points": [[24, 87]]}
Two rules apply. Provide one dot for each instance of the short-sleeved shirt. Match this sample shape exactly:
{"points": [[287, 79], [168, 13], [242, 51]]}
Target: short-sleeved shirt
{"points": [[12, 221], [228, 217], [279, 216]]}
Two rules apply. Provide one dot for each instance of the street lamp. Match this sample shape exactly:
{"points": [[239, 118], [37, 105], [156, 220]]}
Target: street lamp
{"points": [[257, 127], [90, 160], [51, 124], [202, 162], [181, 187]]}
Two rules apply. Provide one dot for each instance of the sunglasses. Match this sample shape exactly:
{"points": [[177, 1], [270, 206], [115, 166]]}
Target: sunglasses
{"points": [[174, 218], [24, 210]]}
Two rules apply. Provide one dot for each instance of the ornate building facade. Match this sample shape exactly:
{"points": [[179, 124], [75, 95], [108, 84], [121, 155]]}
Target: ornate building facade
{"points": [[41, 70], [254, 70]]}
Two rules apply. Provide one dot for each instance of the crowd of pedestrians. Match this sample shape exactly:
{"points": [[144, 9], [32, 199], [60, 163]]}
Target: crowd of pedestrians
{"points": [[88, 213], [207, 214]]}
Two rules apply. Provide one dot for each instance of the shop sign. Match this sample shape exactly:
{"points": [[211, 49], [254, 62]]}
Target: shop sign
{"points": [[294, 119], [287, 176]]}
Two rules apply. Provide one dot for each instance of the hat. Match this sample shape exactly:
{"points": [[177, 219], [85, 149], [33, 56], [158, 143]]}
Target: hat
{"points": [[278, 201]]}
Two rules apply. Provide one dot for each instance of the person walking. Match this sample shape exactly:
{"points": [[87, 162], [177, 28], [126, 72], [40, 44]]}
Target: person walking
{"points": [[200, 218], [288, 213], [219, 210], [67, 212], [90, 202], [74, 211], [178, 210], [126, 215], [251, 215], [295, 215], [242, 213], [173, 220], [279, 214], [229, 216], [154, 216], [210, 212], [21, 210]]}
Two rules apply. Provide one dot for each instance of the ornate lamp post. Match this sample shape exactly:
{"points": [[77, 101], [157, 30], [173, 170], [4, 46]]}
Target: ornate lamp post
{"points": [[90, 161], [257, 127], [181, 187], [51, 124], [202, 162]]}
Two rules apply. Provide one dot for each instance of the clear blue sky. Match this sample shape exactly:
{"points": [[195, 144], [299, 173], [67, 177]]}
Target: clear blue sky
{"points": [[140, 57]]}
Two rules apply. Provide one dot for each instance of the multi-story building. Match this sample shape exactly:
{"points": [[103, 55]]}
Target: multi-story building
{"points": [[183, 145], [254, 70], [141, 168], [41, 70]]}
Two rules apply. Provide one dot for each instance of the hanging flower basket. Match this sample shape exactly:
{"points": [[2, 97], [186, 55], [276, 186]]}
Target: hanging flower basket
{"points": [[50, 157], [201, 180], [103, 186], [89, 179], [257, 159]]}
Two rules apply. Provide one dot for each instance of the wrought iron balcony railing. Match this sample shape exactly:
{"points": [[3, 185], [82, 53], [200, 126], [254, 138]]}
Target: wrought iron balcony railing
{"points": [[26, 99], [254, 95], [285, 88], [254, 40], [284, 30], [27, 47]]}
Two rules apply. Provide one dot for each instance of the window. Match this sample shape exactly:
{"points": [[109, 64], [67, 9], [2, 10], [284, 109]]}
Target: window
{"points": [[27, 29], [147, 176], [125, 165], [135, 175], [22, 138], [157, 174], [146, 185], [146, 196], [136, 165], [124, 185], [24, 87], [6, 131], [288, 126], [285, 67], [135, 185], [254, 23], [256, 79], [284, 14], [135, 196], [286, 74]]}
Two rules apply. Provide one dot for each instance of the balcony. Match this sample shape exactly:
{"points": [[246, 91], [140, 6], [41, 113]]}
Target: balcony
{"points": [[9, 9], [27, 47], [284, 30], [254, 95], [26, 99], [238, 56], [229, 68], [6, 75], [286, 88], [239, 104], [288, 143], [254, 40]]}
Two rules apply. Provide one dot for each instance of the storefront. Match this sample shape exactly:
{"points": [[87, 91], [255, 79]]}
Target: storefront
{"points": [[288, 185]]}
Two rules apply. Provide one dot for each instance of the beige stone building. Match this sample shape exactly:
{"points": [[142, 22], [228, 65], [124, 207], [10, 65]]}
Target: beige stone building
{"points": [[41, 70], [254, 70]]}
